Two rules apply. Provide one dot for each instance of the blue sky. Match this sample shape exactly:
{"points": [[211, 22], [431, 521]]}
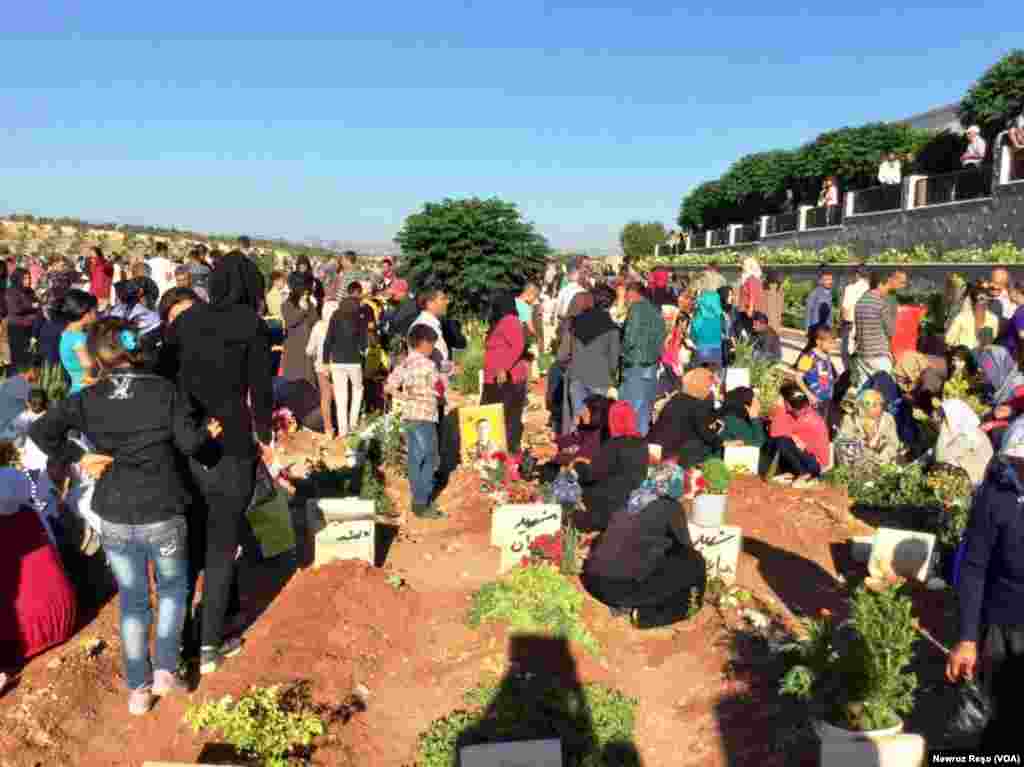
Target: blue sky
{"points": [[339, 119]]}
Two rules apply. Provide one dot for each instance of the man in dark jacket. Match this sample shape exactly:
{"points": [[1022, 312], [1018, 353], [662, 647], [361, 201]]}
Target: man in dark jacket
{"points": [[642, 341], [221, 359]]}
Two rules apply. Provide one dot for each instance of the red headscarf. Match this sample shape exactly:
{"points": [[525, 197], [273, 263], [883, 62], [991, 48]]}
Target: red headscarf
{"points": [[622, 420]]}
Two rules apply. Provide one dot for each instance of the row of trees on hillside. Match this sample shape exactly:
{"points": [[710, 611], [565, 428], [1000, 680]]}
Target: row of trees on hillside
{"points": [[756, 184]]}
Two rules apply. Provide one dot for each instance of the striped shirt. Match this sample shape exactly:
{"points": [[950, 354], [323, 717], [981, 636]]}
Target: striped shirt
{"points": [[874, 324]]}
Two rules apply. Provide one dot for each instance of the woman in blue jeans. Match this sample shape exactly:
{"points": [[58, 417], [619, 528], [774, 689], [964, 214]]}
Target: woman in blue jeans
{"points": [[136, 422]]}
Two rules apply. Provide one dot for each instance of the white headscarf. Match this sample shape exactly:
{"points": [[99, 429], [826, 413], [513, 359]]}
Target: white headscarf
{"points": [[750, 269], [960, 419], [1013, 440]]}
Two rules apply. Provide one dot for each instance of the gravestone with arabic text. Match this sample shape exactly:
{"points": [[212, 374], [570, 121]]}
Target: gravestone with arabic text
{"points": [[720, 547], [343, 528], [515, 526], [524, 753]]}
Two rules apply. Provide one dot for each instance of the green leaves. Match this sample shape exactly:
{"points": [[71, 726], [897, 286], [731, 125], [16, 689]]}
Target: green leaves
{"points": [[997, 97], [471, 249], [638, 239]]}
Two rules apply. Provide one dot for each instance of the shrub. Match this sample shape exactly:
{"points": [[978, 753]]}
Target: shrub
{"points": [[589, 725], [471, 359], [264, 723], [717, 475], [535, 600]]}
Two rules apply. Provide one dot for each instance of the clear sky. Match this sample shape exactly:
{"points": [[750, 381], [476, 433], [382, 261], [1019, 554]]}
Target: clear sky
{"points": [[337, 120]]}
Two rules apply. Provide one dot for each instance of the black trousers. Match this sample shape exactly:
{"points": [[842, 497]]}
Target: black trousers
{"points": [[19, 337], [1003, 656], [513, 397], [792, 460], [663, 597], [216, 524], [845, 336]]}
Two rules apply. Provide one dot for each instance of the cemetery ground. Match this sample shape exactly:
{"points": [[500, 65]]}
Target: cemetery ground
{"points": [[387, 650]]}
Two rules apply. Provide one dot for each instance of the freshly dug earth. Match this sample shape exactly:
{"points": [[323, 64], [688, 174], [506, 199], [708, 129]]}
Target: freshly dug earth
{"points": [[706, 687]]}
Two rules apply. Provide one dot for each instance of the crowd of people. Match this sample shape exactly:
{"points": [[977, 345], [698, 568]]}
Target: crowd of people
{"points": [[174, 384]]}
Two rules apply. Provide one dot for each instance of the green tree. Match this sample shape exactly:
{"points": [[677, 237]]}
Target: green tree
{"points": [[997, 97], [471, 249], [638, 239]]}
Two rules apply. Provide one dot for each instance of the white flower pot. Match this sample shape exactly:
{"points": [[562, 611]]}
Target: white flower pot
{"points": [[830, 732], [709, 510], [873, 748]]}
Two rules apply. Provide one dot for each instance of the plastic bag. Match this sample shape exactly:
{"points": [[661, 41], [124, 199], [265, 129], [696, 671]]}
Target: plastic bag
{"points": [[566, 489], [972, 713]]}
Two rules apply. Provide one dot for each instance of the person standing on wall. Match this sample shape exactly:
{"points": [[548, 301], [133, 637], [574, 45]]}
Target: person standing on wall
{"points": [[851, 295], [643, 339]]}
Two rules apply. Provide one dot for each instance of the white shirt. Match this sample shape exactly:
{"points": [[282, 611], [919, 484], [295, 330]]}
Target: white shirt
{"points": [[565, 297], [162, 272], [851, 296], [890, 172]]}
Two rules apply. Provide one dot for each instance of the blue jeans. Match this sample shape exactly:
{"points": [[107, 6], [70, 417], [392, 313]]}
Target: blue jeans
{"points": [[130, 548], [423, 458], [639, 387]]}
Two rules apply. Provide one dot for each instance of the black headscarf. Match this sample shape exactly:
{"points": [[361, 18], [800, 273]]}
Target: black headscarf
{"points": [[298, 284], [503, 305], [737, 401], [234, 281], [592, 324], [723, 295]]}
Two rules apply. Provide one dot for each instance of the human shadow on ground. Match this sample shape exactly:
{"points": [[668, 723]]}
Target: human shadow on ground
{"points": [[542, 698], [804, 586]]}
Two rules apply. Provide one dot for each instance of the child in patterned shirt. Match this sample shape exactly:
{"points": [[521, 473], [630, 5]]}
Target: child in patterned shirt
{"points": [[416, 386]]}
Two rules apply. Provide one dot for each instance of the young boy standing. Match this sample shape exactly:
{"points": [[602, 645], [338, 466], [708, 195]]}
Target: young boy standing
{"points": [[417, 386]]}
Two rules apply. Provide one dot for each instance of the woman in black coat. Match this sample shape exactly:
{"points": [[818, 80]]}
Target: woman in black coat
{"points": [[688, 428], [617, 469], [645, 563], [22, 314]]}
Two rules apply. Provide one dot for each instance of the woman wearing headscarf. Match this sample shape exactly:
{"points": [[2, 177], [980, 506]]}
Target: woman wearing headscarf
{"points": [[688, 428], [961, 441], [617, 470], [1004, 384], [921, 378], [591, 431], [305, 267], [991, 593], [657, 287], [505, 369], [867, 434], [678, 349], [236, 280], [974, 325], [22, 314], [708, 328], [581, 303], [645, 564], [300, 315], [594, 364], [741, 418], [798, 437], [772, 300], [751, 294], [899, 407]]}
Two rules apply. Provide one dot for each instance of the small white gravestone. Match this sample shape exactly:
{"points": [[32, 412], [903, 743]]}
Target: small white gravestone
{"points": [[736, 377], [523, 753], [515, 526], [720, 547], [654, 452], [905, 553], [342, 528], [743, 459], [904, 750]]}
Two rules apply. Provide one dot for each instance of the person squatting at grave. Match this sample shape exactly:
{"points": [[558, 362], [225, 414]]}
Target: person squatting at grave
{"points": [[644, 565]]}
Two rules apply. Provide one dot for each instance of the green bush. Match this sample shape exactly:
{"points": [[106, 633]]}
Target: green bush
{"points": [[471, 360], [535, 599], [717, 475], [264, 724], [531, 709]]}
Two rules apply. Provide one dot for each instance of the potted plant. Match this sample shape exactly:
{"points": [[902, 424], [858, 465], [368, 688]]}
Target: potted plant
{"points": [[709, 506], [853, 674]]}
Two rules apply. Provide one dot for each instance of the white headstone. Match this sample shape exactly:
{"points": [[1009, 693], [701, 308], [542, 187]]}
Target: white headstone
{"points": [[515, 526], [343, 528], [743, 459], [736, 377], [720, 547], [654, 452], [523, 753], [904, 553], [904, 750]]}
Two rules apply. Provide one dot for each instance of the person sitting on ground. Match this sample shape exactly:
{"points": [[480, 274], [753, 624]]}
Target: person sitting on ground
{"points": [[798, 439], [590, 434], [687, 429], [961, 441], [644, 564], [32, 458], [741, 419], [1004, 384], [767, 346], [867, 435], [974, 325], [617, 470], [921, 379], [137, 422], [817, 374]]}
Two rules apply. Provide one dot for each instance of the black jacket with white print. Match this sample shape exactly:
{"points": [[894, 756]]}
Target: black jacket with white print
{"points": [[139, 420]]}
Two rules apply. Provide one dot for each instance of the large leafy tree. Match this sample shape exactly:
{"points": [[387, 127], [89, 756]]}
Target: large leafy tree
{"points": [[471, 249], [997, 97], [638, 239]]}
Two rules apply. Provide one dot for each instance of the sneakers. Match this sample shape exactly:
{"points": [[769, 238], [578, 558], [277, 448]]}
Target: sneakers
{"points": [[211, 658], [140, 701], [167, 683]]}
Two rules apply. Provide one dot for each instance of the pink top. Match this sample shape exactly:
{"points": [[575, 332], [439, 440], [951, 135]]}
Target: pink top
{"points": [[808, 427], [750, 295], [503, 350]]}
